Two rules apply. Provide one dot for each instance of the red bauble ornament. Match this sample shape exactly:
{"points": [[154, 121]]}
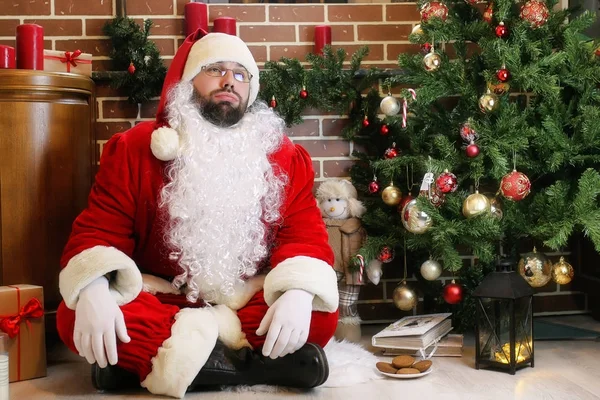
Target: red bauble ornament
{"points": [[386, 254], [446, 182], [131, 68], [303, 93], [472, 150], [384, 130], [434, 9], [597, 52], [374, 186], [392, 152], [502, 31], [435, 196], [515, 186], [467, 133], [403, 202], [453, 293], [535, 12], [273, 102], [503, 74], [365, 122], [488, 14], [426, 48]]}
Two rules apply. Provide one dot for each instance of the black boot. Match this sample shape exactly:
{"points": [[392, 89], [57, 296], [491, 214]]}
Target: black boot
{"points": [[306, 368], [113, 378]]}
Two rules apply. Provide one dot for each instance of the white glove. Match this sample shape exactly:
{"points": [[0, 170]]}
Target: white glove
{"points": [[288, 322], [97, 317]]}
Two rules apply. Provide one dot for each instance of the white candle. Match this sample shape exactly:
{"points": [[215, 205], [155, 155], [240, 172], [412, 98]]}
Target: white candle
{"points": [[4, 376]]}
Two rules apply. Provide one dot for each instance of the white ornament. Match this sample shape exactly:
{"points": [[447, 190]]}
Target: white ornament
{"points": [[374, 271], [389, 105], [431, 270]]}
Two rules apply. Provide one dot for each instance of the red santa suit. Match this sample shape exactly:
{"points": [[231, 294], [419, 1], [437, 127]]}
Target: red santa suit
{"points": [[120, 235]]}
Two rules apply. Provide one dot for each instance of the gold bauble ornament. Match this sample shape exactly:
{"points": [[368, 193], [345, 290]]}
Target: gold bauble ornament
{"points": [[562, 272], [535, 268], [389, 105], [417, 30], [496, 208], [391, 195], [404, 297], [488, 102], [432, 61], [476, 204], [415, 220]]}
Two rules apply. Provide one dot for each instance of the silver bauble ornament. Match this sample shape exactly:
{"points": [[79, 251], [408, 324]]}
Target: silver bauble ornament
{"points": [[496, 208], [431, 270], [404, 297], [389, 105], [475, 204], [432, 61], [415, 220], [562, 272], [535, 268]]}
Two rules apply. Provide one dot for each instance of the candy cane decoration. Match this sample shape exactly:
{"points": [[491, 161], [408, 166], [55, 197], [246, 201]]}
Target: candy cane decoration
{"points": [[361, 259], [405, 106]]}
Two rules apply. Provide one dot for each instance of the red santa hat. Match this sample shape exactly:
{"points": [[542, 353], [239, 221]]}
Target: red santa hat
{"points": [[199, 49]]}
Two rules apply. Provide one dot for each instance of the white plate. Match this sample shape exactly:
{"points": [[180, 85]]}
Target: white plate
{"points": [[407, 376]]}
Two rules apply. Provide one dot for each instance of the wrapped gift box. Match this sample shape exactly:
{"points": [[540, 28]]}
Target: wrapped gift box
{"points": [[68, 61], [22, 318]]}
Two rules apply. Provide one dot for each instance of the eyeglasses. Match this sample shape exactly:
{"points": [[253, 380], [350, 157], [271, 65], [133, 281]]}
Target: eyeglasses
{"points": [[217, 70]]}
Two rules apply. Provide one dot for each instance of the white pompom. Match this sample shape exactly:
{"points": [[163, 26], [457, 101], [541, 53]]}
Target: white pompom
{"points": [[165, 143]]}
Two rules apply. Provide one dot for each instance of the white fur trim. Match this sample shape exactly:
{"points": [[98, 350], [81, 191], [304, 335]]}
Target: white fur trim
{"points": [[164, 143], [230, 327], [218, 47], [91, 264], [181, 356], [307, 273]]}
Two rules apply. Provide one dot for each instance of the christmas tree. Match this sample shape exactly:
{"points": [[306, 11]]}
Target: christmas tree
{"points": [[133, 52]]}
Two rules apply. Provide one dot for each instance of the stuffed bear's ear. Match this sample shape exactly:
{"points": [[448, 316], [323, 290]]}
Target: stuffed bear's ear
{"points": [[356, 208]]}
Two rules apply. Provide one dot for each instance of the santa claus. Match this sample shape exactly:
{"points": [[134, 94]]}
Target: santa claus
{"points": [[202, 258]]}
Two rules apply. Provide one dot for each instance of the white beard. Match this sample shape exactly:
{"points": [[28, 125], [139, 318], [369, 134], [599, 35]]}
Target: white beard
{"points": [[222, 195]]}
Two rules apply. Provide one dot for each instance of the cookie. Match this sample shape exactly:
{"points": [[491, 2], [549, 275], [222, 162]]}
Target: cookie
{"points": [[403, 361], [386, 367], [408, 371], [422, 365]]}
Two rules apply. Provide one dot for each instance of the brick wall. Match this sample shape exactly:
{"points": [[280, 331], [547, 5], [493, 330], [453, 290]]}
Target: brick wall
{"points": [[271, 31]]}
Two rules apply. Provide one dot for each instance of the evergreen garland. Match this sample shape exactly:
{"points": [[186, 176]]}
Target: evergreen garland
{"points": [[133, 52]]}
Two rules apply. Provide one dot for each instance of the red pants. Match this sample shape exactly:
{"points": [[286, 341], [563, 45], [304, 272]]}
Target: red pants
{"points": [[149, 322]]}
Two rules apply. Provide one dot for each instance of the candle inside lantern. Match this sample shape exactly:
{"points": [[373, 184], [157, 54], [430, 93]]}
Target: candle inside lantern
{"points": [[322, 38], [522, 352], [225, 25], [7, 57], [196, 16], [30, 47]]}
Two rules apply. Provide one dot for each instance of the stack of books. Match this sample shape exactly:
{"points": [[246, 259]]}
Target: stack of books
{"points": [[421, 335]]}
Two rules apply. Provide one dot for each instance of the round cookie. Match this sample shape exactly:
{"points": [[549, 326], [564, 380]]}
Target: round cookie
{"points": [[403, 361], [386, 367], [422, 365], [408, 371]]}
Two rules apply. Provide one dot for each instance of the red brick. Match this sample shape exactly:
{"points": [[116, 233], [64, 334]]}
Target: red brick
{"points": [[334, 126], [317, 168], [339, 33], [297, 13], [25, 7], [355, 13], [149, 109], [337, 168], [104, 130], [150, 7], [93, 27], [326, 148], [375, 51], [119, 109], [78, 7], [271, 33], [314, 111], [167, 26], [394, 50], [8, 27], [293, 51], [166, 47], [97, 47], [383, 32], [259, 53], [103, 89], [242, 13], [59, 27], [402, 12], [310, 127], [102, 65]]}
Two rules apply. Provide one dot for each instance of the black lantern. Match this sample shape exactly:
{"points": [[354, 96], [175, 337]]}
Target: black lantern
{"points": [[504, 320]]}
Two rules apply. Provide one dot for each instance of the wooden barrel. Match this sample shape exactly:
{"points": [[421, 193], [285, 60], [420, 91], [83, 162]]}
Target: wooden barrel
{"points": [[47, 152]]}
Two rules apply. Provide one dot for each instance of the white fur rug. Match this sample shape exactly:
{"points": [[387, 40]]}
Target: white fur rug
{"points": [[349, 364]]}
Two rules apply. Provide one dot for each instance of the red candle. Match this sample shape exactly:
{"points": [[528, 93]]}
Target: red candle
{"points": [[30, 46], [225, 25], [322, 38], [7, 57], [196, 16]]}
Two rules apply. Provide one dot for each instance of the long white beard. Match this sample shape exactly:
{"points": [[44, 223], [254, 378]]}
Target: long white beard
{"points": [[222, 194]]}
